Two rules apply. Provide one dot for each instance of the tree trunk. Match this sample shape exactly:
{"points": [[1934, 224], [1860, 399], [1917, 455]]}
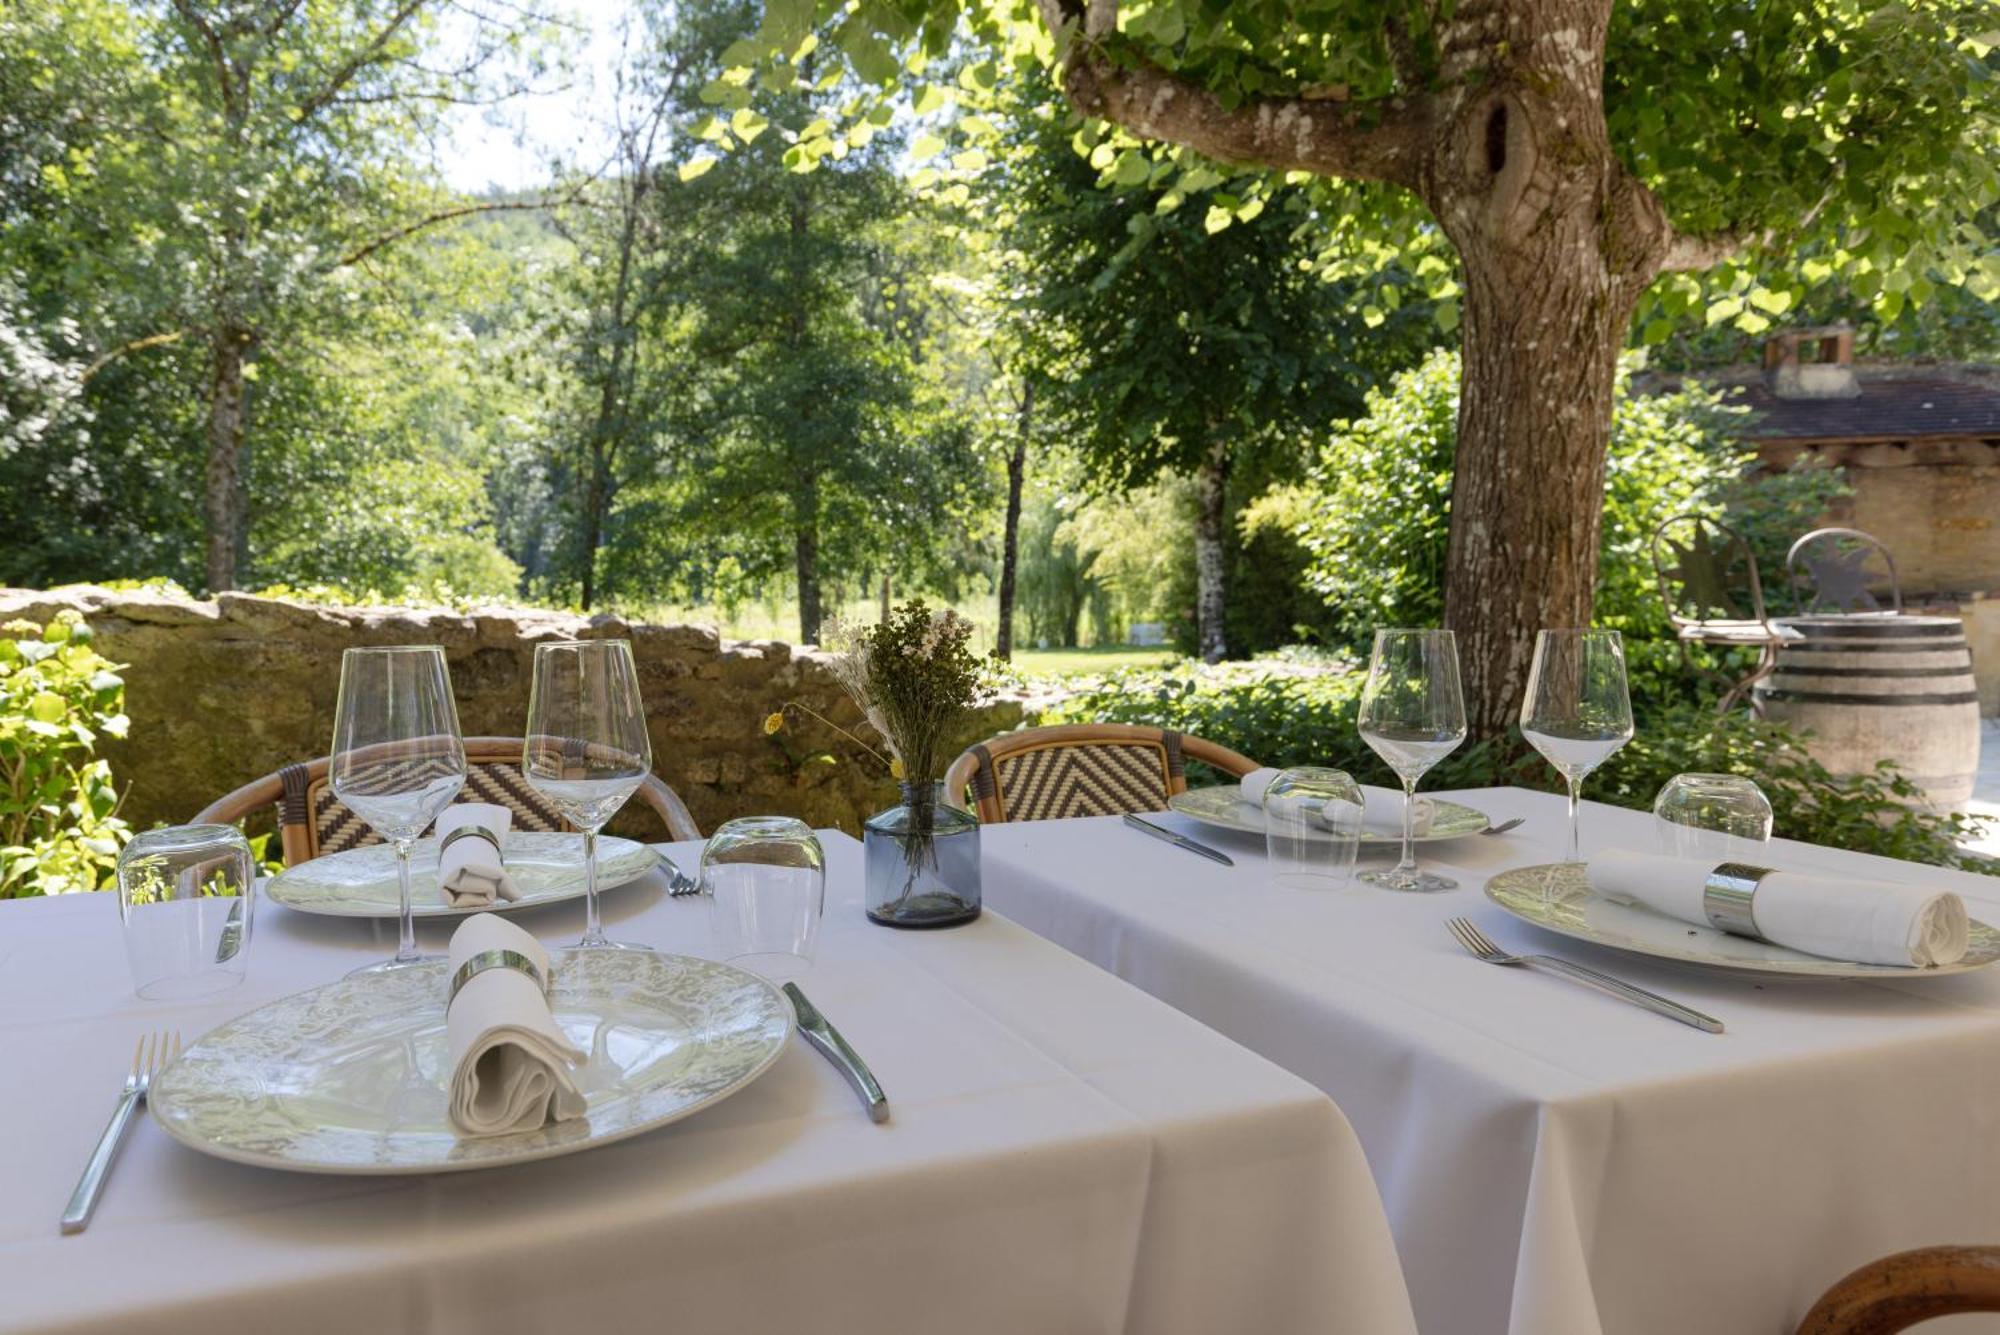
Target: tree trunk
{"points": [[590, 534], [805, 548], [1210, 570], [1010, 537], [225, 456]]}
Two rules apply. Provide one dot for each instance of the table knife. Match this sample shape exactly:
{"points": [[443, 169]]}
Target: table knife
{"points": [[1179, 840], [813, 1027]]}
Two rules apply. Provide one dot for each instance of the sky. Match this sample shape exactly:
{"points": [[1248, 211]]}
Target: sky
{"points": [[509, 145]]}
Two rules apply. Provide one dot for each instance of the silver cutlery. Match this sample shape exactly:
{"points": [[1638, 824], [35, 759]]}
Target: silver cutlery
{"points": [[1478, 946], [1503, 826], [231, 940], [154, 1051], [813, 1027], [1178, 840], [679, 883]]}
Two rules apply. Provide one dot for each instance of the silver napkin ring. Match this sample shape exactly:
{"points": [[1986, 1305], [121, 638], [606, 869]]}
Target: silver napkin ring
{"points": [[470, 832], [496, 959], [1728, 898]]}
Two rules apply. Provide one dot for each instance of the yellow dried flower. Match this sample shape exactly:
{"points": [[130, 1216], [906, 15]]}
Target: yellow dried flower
{"points": [[896, 768], [773, 722]]}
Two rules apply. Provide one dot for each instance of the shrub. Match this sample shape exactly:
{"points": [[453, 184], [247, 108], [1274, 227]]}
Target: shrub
{"points": [[1285, 717], [59, 827]]}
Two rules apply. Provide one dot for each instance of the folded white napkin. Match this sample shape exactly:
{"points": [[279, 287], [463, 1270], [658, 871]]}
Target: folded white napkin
{"points": [[1868, 922], [1252, 787], [471, 871], [510, 1064]]}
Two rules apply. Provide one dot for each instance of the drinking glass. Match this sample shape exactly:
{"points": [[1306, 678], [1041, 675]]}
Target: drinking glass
{"points": [[1714, 817], [1412, 715], [765, 878], [1312, 827], [397, 756], [1577, 712], [587, 749], [185, 897]]}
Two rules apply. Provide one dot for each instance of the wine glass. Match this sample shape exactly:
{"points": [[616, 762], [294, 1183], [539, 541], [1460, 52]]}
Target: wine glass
{"points": [[1577, 713], [587, 749], [1412, 715], [397, 757]]}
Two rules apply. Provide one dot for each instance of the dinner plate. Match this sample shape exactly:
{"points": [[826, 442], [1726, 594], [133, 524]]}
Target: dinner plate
{"points": [[361, 882], [1223, 806], [1558, 897], [351, 1077]]}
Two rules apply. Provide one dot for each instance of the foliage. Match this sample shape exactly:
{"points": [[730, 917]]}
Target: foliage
{"points": [[1284, 718], [913, 678], [59, 827]]}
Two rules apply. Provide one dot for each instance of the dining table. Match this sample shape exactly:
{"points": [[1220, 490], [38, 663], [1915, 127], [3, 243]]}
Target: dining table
{"points": [[1064, 1153], [1555, 1161]]}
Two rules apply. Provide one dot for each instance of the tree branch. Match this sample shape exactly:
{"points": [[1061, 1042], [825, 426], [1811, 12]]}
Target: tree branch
{"points": [[1378, 140], [149, 341], [359, 61], [207, 32]]}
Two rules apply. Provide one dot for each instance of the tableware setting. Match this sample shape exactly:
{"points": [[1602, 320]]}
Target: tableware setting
{"points": [[545, 868], [1227, 807]]}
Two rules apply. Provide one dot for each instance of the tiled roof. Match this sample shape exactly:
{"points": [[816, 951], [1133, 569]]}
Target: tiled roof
{"points": [[1886, 410]]}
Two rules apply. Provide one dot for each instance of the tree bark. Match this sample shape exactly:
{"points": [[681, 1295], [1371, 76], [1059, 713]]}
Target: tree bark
{"points": [[223, 468], [1211, 571], [805, 550], [1010, 536]]}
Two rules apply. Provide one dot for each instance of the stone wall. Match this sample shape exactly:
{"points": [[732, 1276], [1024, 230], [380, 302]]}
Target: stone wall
{"points": [[222, 692]]}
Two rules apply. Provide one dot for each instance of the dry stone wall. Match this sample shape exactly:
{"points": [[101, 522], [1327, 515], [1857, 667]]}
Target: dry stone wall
{"points": [[221, 692]]}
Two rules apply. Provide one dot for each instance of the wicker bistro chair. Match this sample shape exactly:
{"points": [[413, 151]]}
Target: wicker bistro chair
{"points": [[1709, 582], [312, 821], [1829, 571], [1899, 1291], [1085, 769]]}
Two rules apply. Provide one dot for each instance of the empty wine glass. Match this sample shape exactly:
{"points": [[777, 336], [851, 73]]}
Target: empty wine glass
{"points": [[587, 749], [397, 757], [1412, 715], [1714, 817], [1577, 712]]}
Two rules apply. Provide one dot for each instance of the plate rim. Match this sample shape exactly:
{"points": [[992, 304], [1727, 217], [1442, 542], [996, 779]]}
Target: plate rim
{"points": [[1367, 839], [1805, 966], [254, 1160], [420, 911]]}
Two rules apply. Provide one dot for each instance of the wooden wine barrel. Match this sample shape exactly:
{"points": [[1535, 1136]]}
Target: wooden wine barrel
{"points": [[1872, 688]]}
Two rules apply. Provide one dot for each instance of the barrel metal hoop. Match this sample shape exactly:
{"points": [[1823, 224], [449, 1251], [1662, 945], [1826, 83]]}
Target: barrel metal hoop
{"points": [[1884, 629], [1956, 646], [1803, 670], [1844, 698]]}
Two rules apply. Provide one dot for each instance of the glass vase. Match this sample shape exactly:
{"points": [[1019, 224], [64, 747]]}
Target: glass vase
{"points": [[922, 861]]}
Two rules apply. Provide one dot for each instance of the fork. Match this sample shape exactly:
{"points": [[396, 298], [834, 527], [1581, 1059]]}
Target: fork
{"points": [[1479, 947], [1504, 826], [153, 1053], [679, 883]]}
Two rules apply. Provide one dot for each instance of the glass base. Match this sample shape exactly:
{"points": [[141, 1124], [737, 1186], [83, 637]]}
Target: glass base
{"points": [[919, 912], [605, 944], [1417, 882], [389, 966]]}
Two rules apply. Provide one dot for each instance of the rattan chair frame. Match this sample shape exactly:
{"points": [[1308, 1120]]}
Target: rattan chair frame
{"points": [[980, 760], [1899, 1291]]}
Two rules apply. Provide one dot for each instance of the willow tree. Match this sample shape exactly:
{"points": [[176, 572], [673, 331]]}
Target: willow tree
{"points": [[1572, 152]]}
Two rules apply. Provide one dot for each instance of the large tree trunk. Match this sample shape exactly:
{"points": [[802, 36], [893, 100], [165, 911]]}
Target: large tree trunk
{"points": [[223, 469], [1010, 538], [805, 550], [1211, 571], [590, 534]]}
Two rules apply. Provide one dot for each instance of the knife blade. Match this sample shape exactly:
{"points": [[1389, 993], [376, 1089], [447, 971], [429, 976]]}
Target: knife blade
{"points": [[814, 1028], [231, 939], [1179, 840]]}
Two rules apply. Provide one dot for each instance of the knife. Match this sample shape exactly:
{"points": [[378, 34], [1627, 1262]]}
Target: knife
{"points": [[231, 940], [816, 1031], [1178, 840]]}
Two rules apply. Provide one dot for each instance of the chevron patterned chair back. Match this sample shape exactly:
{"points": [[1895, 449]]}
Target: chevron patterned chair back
{"points": [[313, 822], [1086, 769]]}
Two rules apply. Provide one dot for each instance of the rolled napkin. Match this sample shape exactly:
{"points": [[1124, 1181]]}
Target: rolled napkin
{"points": [[510, 1064], [1252, 787], [1866, 922], [471, 870]]}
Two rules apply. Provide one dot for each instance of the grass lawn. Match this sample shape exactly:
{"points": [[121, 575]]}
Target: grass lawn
{"points": [[1090, 662]]}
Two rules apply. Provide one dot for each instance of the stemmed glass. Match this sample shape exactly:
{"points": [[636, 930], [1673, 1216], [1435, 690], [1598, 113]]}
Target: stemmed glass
{"points": [[1412, 715], [587, 749], [1578, 712], [397, 757]]}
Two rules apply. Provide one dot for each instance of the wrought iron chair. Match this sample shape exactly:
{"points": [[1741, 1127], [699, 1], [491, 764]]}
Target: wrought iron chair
{"points": [[1708, 579], [1082, 769], [1829, 572], [312, 821], [1899, 1291]]}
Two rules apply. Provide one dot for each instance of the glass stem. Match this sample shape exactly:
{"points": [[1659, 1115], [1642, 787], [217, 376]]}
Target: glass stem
{"points": [[1575, 786], [406, 934], [593, 926], [1408, 866]]}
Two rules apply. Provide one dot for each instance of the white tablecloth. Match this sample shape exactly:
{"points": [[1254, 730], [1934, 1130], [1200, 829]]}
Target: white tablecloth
{"points": [[1555, 1162], [1066, 1154]]}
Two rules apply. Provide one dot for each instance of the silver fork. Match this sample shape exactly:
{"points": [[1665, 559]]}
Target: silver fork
{"points": [[1479, 947], [679, 883], [154, 1051], [1504, 826]]}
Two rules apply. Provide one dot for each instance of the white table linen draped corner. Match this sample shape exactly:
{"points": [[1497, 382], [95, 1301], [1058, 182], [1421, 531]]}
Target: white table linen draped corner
{"points": [[1555, 1162], [1066, 1154]]}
